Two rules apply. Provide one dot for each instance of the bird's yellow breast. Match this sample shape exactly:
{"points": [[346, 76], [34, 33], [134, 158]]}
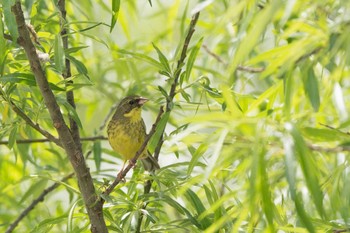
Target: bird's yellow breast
{"points": [[126, 137]]}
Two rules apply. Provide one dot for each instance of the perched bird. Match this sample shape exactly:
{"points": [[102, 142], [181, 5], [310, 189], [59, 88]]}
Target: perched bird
{"points": [[127, 131]]}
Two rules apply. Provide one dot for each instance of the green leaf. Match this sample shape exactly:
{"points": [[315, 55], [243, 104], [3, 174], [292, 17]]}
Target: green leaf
{"points": [[143, 57], [180, 209], [74, 49], [273, 90], [115, 13], [192, 58], [12, 136], [303, 216], [163, 60], [288, 93], [308, 167], [59, 54], [253, 35], [70, 224], [267, 203], [159, 132], [196, 202], [79, 65], [25, 78], [164, 93], [35, 189], [97, 154], [10, 19], [324, 135], [71, 111], [196, 156], [311, 88], [3, 47]]}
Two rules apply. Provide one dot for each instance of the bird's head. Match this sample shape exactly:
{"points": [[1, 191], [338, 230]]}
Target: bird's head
{"points": [[130, 107]]}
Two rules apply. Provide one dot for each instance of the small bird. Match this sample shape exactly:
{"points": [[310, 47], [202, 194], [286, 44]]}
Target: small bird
{"points": [[127, 131]]}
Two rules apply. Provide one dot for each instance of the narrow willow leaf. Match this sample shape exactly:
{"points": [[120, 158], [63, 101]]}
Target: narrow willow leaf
{"points": [[303, 216], [159, 131], [196, 202], [143, 57], [27, 79], [79, 65], [71, 111], [115, 13], [195, 157], [10, 20], [34, 190], [70, 224], [267, 203], [262, 19], [288, 94], [97, 154], [324, 135], [311, 88], [178, 207], [192, 58], [164, 93], [59, 54], [3, 47], [308, 167], [163, 60], [12, 137], [74, 49], [266, 95]]}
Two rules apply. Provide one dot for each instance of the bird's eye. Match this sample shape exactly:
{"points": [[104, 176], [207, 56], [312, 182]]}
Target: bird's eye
{"points": [[131, 102]]}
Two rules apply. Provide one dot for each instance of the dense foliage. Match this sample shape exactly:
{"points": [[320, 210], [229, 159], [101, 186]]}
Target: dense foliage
{"points": [[257, 137]]}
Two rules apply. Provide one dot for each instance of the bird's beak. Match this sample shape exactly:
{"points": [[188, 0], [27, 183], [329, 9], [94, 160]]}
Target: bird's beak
{"points": [[142, 100]]}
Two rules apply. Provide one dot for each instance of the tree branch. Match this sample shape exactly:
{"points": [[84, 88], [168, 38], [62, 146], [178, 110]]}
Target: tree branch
{"points": [[43, 140], [94, 208], [172, 93], [240, 67], [36, 202], [180, 64], [56, 185], [67, 72]]}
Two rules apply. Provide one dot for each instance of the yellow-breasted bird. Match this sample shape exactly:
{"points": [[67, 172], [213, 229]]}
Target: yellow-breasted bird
{"points": [[127, 131]]}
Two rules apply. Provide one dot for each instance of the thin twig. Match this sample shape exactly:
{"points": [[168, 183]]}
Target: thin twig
{"points": [[180, 64], [240, 67], [214, 55], [335, 129], [34, 125], [43, 140], [35, 202], [341, 230], [251, 69], [132, 162], [67, 72], [336, 149], [172, 93], [309, 54]]}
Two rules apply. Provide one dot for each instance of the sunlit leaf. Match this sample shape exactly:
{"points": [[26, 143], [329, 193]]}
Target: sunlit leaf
{"points": [[115, 13], [311, 88], [59, 54], [163, 60], [192, 58]]}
